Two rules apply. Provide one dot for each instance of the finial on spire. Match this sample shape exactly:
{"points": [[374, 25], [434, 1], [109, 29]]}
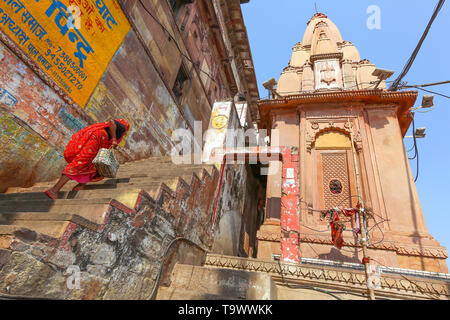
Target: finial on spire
{"points": [[315, 5]]}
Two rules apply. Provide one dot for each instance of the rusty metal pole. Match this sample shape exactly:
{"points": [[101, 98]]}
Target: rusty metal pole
{"points": [[362, 219]]}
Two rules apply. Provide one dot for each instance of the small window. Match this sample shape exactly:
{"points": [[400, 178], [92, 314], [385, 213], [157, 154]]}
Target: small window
{"points": [[176, 5], [179, 82], [335, 187]]}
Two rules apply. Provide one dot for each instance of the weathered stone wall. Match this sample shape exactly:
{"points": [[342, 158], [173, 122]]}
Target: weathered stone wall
{"points": [[236, 209], [119, 259], [137, 85]]}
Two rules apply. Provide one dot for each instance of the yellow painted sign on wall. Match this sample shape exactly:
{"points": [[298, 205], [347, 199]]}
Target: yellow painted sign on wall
{"points": [[73, 41]]}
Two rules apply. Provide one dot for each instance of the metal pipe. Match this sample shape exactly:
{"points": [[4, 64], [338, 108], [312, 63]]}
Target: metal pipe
{"points": [[362, 217]]}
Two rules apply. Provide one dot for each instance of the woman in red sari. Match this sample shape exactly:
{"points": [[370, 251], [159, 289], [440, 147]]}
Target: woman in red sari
{"points": [[82, 149]]}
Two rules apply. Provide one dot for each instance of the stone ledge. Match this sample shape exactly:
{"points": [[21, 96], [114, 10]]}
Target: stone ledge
{"points": [[391, 285], [432, 252]]}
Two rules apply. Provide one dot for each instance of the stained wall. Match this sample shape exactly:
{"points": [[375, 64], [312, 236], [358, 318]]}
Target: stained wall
{"points": [[36, 122]]}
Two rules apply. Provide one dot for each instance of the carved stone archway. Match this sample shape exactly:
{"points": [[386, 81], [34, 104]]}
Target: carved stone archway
{"points": [[316, 128]]}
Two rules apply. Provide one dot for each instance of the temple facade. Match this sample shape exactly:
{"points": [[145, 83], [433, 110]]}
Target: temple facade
{"points": [[327, 98]]}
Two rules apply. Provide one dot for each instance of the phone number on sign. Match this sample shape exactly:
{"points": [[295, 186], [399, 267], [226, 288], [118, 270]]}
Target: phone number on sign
{"points": [[62, 61]]}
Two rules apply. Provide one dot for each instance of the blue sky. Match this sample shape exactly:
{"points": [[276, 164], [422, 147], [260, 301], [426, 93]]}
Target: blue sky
{"points": [[274, 27]]}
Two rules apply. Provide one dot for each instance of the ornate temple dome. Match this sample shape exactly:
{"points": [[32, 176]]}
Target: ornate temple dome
{"points": [[324, 61]]}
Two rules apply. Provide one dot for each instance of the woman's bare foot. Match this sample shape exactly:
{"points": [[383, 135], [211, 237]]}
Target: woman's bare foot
{"points": [[51, 194], [97, 178], [79, 187]]}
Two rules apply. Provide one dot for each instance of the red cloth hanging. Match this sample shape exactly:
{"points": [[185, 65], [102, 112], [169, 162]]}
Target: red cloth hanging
{"points": [[337, 227]]}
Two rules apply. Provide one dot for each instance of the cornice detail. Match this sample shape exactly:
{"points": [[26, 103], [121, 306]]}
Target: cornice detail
{"points": [[327, 56], [400, 249], [350, 278]]}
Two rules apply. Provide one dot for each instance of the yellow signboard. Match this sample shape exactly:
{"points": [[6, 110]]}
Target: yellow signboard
{"points": [[73, 41]]}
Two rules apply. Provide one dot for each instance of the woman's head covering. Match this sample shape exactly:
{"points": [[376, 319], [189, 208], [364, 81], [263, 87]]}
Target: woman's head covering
{"points": [[124, 122], [122, 126]]}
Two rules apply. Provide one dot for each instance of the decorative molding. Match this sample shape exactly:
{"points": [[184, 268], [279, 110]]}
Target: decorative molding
{"points": [[323, 124], [326, 56], [350, 278], [292, 69], [401, 249], [298, 46], [335, 96]]}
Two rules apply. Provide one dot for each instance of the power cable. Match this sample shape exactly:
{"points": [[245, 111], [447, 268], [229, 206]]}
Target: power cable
{"points": [[416, 150], [163, 258], [425, 85], [414, 138], [434, 92], [408, 65], [404, 277], [329, 292]]}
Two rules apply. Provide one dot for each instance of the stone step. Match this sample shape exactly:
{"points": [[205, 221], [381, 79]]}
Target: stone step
{"points": [[166, 159], [234, 284], [122, 177], [123, 195], [31, 220], [38, 191], [160, 170], [93, 210], [107, 183], [165, 293], [54, 229]]}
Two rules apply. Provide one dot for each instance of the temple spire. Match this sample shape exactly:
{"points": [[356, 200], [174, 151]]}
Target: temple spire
{"points": [[324, 61]]}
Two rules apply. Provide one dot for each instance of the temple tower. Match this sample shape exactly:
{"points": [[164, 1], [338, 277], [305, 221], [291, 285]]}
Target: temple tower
{"points": [[325, 98]]}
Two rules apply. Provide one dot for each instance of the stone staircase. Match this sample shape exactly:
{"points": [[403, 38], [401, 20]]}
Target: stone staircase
{"points": [[157, 177], [113, 231]]}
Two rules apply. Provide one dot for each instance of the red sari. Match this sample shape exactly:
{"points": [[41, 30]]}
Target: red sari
{"points": [[82, 149]]}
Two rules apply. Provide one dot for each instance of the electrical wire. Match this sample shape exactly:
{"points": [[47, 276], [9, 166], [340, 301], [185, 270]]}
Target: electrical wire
{"points": [[407, 279], [377, 224], [414, 138], [413, 56], [416, 150], [329, 292], [425, 85], [434, 92], [163, 258], [431, 109]]}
